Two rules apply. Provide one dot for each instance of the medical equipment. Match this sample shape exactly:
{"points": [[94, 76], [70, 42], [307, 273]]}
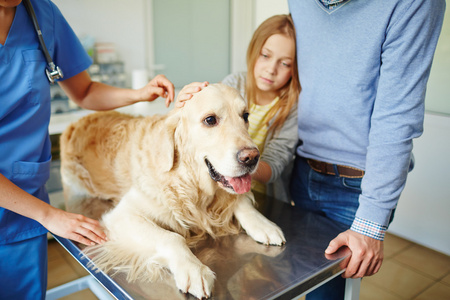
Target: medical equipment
{"points": [[53, 72]]}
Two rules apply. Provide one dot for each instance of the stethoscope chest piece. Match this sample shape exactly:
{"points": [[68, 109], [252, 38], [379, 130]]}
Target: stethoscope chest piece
{"points": [[53, 73]]}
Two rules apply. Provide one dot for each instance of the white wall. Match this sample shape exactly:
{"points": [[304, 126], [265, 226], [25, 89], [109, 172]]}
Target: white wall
{"points": [[247, 15], [423, 212], [438, 94], [120, 22], [128, 25], [267, 8]]}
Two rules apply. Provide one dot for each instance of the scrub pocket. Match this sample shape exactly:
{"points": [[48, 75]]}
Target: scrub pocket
{"points": [[35, 65], [31, 176]]}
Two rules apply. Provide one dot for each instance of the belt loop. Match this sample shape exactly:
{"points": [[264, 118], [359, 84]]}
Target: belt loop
{"points": [[323, 168], [336, 170]]}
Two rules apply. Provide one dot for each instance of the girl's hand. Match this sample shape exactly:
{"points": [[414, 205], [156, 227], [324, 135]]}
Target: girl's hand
{"points": [[187, 92], [75, 227], [159, 86]]}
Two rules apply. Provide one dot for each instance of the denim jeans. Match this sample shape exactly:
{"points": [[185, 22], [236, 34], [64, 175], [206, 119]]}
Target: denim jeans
{"points": [[329, 195]]}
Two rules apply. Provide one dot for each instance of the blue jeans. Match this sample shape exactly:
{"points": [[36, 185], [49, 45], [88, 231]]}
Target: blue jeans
{"points": [[329, 195]]}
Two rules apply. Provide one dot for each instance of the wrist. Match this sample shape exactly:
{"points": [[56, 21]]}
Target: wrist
{"points": [[369, 228], [44, 213], [133, 96], [263, 172]]}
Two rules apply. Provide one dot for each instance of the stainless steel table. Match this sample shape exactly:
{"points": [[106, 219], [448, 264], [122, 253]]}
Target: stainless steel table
{"points": [[244, 268]]}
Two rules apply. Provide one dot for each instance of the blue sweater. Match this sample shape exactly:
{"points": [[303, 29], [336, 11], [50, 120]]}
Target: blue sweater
{"points": [[363, 69]]}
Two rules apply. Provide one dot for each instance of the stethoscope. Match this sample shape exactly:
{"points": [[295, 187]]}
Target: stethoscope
{"points": [[53, 72]]}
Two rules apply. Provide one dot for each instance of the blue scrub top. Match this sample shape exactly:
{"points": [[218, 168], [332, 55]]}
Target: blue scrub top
{"points": [[25, 106]]}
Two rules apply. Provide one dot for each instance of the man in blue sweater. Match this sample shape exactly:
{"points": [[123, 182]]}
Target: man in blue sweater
{"points": [[363, 68]]}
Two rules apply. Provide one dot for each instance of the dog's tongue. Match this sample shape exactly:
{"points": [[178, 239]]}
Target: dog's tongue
{"points": [[241, 184]]}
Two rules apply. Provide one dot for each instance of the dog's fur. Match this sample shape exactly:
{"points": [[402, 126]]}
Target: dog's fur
{"points": [[165, 182]]}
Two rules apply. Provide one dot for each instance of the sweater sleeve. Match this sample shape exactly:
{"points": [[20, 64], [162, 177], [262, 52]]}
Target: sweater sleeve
{"points": [[398, 110], [237, 81], [280, 147]]}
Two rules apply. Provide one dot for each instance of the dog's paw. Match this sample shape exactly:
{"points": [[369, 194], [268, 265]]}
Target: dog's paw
{"points": [[255, 224], [264, 231], [194, 278], [245, 244]]}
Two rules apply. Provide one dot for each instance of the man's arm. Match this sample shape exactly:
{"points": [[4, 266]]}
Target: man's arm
{"points": [[397, 118]]}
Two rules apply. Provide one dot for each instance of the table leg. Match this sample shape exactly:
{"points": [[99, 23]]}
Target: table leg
{"points": [[352, 287], [87, 282]]}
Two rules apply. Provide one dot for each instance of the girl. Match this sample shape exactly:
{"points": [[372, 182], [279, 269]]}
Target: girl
{"points": [[271, 88]]}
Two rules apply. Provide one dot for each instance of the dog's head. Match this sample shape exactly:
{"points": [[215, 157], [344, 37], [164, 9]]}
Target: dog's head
{"points": [[212, 130]]}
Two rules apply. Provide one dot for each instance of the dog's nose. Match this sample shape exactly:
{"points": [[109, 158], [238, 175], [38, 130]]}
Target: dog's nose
{"points": [[248, 156]]}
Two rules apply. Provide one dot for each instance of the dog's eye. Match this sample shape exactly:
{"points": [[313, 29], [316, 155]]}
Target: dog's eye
{"points": [[210, 121], [245, 116]]}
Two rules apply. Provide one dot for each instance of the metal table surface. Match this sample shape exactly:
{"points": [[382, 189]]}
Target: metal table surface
{"points": [[245, 269]]}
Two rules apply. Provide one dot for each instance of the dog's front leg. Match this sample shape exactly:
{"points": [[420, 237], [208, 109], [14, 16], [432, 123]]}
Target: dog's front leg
{"points": [[255, 224], [191, 275], [144, 241]]}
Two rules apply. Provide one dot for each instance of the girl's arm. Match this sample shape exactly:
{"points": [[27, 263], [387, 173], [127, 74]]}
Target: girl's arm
{"points": [[279, 149], [263, 172]]}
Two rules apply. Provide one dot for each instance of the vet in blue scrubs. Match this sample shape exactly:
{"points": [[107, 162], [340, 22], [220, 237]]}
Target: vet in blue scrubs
{"points": [[24, 139]]}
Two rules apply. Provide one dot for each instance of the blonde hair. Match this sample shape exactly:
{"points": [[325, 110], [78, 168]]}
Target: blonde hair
{"points": [[278, 24]]}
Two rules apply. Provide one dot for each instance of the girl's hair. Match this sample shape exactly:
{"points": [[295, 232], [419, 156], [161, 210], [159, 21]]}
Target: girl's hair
{"points": [[278, 24]]}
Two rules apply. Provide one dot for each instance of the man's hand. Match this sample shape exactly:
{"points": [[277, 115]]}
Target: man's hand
{"points": [[366, 254]]}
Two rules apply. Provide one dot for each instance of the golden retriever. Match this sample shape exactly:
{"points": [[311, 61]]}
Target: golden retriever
{"points": [[162, 183]]}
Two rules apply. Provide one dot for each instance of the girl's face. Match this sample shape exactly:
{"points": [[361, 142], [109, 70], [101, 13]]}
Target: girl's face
{"points": [[274, 66]]}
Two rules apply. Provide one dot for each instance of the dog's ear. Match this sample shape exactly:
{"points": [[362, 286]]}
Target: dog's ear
{"points": [[164, 154]]}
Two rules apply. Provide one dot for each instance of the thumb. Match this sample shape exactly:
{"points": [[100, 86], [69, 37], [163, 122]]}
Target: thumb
{"points": [[335, 244]]}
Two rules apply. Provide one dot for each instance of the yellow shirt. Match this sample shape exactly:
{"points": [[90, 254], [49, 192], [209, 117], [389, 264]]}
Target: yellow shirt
{"points": [[258, 132]]}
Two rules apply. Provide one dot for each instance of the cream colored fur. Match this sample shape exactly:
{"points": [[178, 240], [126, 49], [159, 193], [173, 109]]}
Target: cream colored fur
{"points": [[146, 178]]}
